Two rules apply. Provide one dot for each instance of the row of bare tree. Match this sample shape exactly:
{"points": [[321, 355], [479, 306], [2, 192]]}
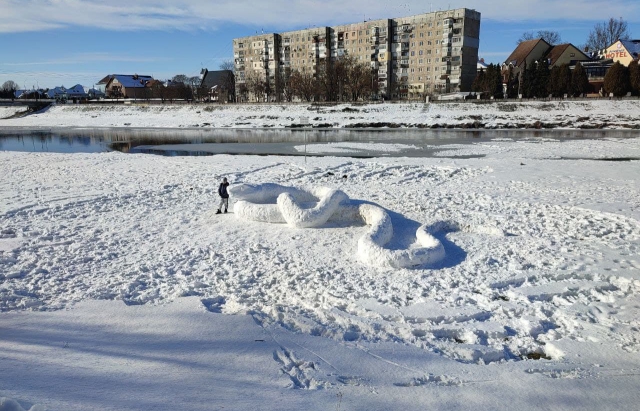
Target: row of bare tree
{"points": [[343, 80], [601, 36]]}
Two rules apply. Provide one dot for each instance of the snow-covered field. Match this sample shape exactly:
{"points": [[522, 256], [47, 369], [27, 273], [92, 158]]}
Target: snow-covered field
{"points": [[121, 289], [587, 114]]}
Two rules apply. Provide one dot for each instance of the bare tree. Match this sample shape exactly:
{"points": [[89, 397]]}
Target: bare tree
{"points": [[227, 65], [180, 78], [360, 81], [551, 37], [303, 85], [605, 34], [255, 86], [8, 89], [159, 90]]}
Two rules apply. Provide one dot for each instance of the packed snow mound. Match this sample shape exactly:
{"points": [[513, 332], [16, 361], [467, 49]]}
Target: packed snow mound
{"points": [[298, 208]]}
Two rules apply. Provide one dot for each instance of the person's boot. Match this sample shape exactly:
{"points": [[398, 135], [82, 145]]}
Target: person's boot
{"points": [[218, 212], [225, 211]]}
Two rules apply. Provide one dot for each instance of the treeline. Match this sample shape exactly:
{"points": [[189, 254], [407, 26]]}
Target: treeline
{"points": [[537, 80], [341, 80]]}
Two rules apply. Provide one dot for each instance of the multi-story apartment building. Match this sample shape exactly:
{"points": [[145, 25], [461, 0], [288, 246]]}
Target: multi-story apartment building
{"points": [[256, 58], [410, 57]]}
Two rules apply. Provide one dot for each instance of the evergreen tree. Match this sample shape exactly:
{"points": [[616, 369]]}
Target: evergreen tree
{"points": [[560, 80], [554, 86], [493, 81], [479, 83], [541, 81], [528, 77], [564, 80], [513, 84], [616, 80], [498, 88], [579, 81], [634, 77]]}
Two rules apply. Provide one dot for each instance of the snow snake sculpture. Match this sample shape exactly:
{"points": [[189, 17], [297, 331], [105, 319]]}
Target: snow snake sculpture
{"points": [[274, 203]]}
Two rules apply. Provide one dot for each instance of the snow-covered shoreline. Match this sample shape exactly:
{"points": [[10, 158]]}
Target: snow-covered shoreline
{"points": [[573, 114]]}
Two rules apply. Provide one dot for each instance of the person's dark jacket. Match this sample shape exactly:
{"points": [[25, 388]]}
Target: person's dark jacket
{"points": [[222, 190]]}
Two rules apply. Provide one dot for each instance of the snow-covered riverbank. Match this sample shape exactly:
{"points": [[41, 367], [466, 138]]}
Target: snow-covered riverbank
{"points": [[584, 114], [121, 289]]}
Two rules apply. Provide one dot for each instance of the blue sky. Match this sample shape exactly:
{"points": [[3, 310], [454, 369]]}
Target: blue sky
{"points": [[49, 43]]}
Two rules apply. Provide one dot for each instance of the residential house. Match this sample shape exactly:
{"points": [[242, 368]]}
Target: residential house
{"points": [[126, 85], [77, 93], [531, 51], [58, 93], [95, 93], [218, 85]]}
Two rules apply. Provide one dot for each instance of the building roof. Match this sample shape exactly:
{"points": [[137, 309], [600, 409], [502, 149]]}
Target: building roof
{"points": [[632, 46], [523, 51], [557, 51], [76, 90], [127, 80], [215, 78]]}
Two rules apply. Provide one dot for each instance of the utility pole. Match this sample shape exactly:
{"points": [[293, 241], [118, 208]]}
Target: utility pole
{"points": [[304, 121]]}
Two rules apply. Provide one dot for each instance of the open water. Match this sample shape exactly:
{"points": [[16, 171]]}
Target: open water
{"points": [[196, 142]]}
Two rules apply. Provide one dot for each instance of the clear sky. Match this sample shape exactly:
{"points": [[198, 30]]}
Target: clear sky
{"points": [[49, 43]]}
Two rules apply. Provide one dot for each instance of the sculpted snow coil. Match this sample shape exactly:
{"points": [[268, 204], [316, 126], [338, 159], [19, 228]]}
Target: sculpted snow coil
{"points": [[273, 203]]}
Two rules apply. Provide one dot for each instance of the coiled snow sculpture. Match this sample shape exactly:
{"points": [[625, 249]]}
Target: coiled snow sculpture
{"points": [[274, 203]]}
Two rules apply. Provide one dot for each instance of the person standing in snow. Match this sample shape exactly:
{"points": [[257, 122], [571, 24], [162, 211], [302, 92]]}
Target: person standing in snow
{"points": [[224, 196]]}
